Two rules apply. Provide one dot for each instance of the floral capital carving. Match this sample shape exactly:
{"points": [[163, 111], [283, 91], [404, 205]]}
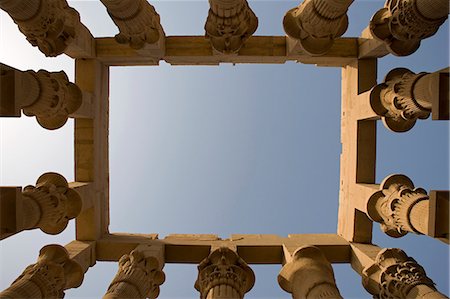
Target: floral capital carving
{"points": [[393, 275], [391, 206], [223, 267], [57, 203]]}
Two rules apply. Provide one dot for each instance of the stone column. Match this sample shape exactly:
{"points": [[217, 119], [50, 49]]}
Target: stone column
{"points": [[137, 20], [48, 24], [224, 275], [139, 276], [316, 23], [395, 275], [404, 97], [399, 207], [402, 24], [48, 96], [50, 205], [309, 275], [229, 24], [53, 273]]}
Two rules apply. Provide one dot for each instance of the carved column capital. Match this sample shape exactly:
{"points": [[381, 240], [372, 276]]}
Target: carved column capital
{"points": [[50, 204], [53, 273], [393, 205], [394, 275], [316, 23], [309, 275], [229, 24], [223, 274], [138, 22], [402, 24], [394, 100], [139, 276], [50, 25]]}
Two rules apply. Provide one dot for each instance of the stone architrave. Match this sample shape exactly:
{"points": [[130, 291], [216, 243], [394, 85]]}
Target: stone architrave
{"points": [[53, 273], [395, 275], [316, 23], [403, 98], [402, 24], [223, 274], [229, 24], [48, 24], [50, 204], [309, 275], [138, 22], [399, 207], [139, 276]]}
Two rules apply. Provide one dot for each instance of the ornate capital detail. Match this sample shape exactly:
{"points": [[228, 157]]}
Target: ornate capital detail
{"points": [[402, 24], [224, 269], [229, 24], [392, 205], [394, 100], [138, 22], [55, 100], [50, 25], [138, 277], [56, 202], [316, 23], [53, 273], [309, 275], [393, 275]]}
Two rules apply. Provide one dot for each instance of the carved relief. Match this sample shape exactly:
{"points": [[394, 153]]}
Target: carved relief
{"points": [[229, 24], [53, 273], [138, 277], [402, 24], [137, 20], [49, 25], [394, 100], [223, 273], [54, 99], [392, 205], [316, 23], [51, 204], [393, 275], [309, 275]]}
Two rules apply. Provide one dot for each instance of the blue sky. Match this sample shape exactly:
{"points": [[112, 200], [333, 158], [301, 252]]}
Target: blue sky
{"points": [[229, 149]]}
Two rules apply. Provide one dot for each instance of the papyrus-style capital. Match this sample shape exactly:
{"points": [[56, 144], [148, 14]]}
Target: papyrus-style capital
{"points": [[223, 274], [137, 20], [397, 100], [139, 276], [316, 23], [402, 24], [48, 24], [395, 275], [309, 275], [399, 207], [50, 204], [229, 24], [53, 273]]}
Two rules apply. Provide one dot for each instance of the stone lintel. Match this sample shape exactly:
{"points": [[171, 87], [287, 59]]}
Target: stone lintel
{"points": [[370, 47], [254, 249], [82, 252], [196, 50], [10, 211], [438, 226], [441, 103], [358, 138], [363, 255]]}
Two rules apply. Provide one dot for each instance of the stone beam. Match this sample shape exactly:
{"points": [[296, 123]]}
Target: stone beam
{"points": [[83, 253], [438, 218], [196, 50], [91, 149], [254, 249], [358, 138], [52, 26]]}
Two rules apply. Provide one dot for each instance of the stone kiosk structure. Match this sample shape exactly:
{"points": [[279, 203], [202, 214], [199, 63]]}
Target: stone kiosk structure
{"points": [[313, 36]]}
